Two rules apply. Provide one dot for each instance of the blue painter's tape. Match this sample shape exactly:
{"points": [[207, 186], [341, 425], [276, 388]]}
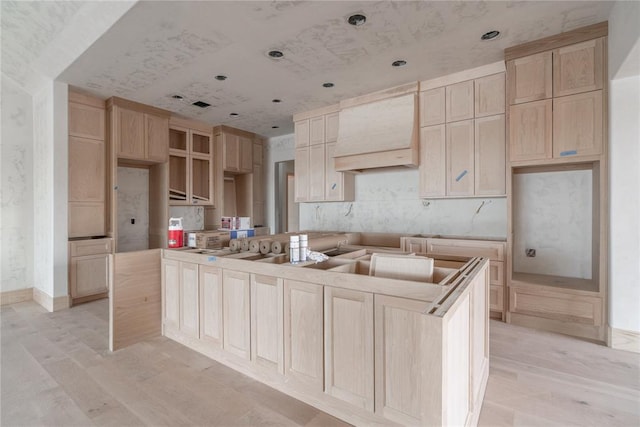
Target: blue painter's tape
{"points": [[333, 187], [211, 258], [568, 153], [459, 177]]}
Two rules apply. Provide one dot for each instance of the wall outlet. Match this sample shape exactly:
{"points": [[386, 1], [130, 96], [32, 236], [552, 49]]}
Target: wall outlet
{"points": [[531, 253]]}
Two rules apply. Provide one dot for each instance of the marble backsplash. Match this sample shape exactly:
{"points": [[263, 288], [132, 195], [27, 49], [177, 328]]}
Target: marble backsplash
{"points": [[133, 203], [388, 201]]}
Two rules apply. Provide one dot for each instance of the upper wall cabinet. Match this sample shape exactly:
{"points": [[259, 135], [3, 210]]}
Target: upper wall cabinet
{"points": [[191, 164], [462, 138], [139, 133], [87, 166], [316, 179], [557, 103], [237, 150]]}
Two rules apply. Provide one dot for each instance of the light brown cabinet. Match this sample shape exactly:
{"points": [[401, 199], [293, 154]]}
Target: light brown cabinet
{"points": [[530, 78], [578, 68], [267, 322], [89, 269], [237, 153], [557, 99], [460, 158], [210, 291], [258, 187], [303, 333], [139, 133], [87, 166], [236, 293], [466, 156], [189, 324], [316, 179], [348, 352], [191, 167], [170, 295]]}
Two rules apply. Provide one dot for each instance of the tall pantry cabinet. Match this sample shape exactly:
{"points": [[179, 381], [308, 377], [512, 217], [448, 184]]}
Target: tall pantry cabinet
{"points": [[89, 248], [557, 168]]}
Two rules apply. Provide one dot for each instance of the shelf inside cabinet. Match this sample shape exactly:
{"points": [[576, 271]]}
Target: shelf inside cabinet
{"points": [[177, 178], [200, 179], [200, 144], [178, 139]]}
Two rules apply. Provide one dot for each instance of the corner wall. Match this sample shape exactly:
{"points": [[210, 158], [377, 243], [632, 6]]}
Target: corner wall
{"points": [[624, 186], [16, 201]]}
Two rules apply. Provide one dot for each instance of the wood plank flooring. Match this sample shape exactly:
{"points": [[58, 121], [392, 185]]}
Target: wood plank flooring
{"points": [[56, 370]]}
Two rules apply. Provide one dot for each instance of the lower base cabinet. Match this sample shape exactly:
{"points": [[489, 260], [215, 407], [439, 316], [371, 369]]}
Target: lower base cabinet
{"points": [[267, 322], [89, 269], [348, 357], [211, 330], [303, 332], [236, 310]]}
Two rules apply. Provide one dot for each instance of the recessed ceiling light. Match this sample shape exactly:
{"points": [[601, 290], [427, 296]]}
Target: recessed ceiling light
{"points": [[221, 77], [178, 97], [490, 35], [233, 114], [276, 101], [201, 104], [275, 54], [399, 63], [275, 127], [328, 84], [357, 19]]}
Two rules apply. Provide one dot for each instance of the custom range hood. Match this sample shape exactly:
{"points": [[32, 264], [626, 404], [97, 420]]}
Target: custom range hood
{"points": [[379, 130]]}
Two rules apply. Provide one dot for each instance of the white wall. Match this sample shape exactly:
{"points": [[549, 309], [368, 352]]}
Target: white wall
{"points": [[192, 216], [388, 201], [16, 200], [552, 213], [278, 149], [624, 161]]}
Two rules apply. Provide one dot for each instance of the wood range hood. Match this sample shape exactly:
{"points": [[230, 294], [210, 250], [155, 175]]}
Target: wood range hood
{"points": [[379, 130]]}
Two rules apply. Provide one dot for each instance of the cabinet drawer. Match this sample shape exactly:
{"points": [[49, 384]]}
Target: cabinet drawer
{"points": [[91, 247], [496, 273], [553, 305], [492, 250], [496, 298]]}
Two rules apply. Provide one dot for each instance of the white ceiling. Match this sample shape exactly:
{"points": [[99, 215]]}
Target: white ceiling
{"points": [[158, 49]]}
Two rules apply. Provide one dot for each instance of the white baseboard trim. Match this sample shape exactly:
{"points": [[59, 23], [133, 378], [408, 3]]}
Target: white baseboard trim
{"points": [[624, 340], [49, 303], [16, 296]]}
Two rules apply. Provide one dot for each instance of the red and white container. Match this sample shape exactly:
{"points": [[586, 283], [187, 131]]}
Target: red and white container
{"points": [[176, 233]]}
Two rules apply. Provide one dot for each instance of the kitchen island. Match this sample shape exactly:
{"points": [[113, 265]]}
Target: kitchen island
{"points": [[369, 350]]}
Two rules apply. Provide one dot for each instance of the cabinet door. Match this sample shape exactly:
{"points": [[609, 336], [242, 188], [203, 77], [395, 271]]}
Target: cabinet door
{"points": [[316, 172], [86, 121], [246, 155], [301, 132], [459, 102], [316, 130], [157, 138], [530, 130], [490, 179], [189, 304], [87, 183], [179, 179], [530, 78], [577, 125], [432, 111], [303, 333], [331, 122], [578, 68], [211, 304], [231, 152], [237, 314], [460, 158], [201, 172], [496, 298], [489, 95], [170, 294], [432, 161], [257, 153], [301, 164], [414, 244], [398, 391], [89, 275], [258, 183], [130, 134], [267, 322], [349, 371]]}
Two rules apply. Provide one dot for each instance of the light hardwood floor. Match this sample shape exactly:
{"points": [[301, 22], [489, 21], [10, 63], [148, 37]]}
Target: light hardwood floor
{"points": [[56, 370]]}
